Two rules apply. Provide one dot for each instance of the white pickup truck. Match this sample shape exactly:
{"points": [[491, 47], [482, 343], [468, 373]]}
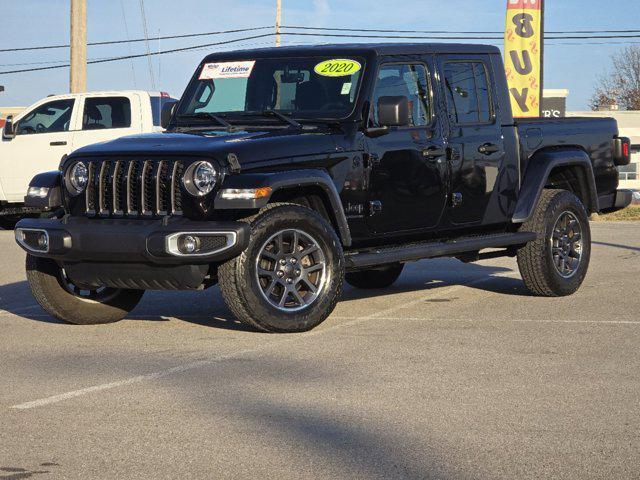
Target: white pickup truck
{"points": [[37, 139]]}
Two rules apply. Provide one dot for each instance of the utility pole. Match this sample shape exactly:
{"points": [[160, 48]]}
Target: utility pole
{"points": [[78, 76], [278, 21]]}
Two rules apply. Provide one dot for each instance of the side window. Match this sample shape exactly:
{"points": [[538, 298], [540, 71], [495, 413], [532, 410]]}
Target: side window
{"points": [[408, 80], [106, 112], [467, 89], [48, 118]]}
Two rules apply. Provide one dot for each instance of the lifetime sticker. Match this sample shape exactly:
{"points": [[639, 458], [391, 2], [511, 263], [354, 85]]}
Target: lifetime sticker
{"points": [[212, 71], [337, 67]]}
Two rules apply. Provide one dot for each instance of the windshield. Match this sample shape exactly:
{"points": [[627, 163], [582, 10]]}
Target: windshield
{"points": [[302, 88]]}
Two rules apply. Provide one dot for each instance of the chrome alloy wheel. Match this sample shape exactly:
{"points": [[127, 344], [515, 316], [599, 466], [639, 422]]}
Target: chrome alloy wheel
{"points": [[566, 244], [291, 270]]}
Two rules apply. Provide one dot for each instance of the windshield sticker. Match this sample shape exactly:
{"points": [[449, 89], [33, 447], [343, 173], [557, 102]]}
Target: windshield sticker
{"points": [[212, 71], [346, 89], [338, 67]]}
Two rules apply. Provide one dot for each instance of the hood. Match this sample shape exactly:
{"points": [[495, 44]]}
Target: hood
{"points": [[249, 146]]}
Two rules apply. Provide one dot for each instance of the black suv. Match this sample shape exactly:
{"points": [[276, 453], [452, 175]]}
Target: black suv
{"points": [[284, 172]]}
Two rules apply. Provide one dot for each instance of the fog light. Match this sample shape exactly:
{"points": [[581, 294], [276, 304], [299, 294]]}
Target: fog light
{"points": [[188, 244], [43, 241], [33, 240]]}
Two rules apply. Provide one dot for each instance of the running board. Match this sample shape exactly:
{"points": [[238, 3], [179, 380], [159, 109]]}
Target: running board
{"points": [[418, 251]]}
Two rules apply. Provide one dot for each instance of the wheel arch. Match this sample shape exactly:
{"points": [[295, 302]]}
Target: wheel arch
{"points": [[569, 169], [312, 188]]}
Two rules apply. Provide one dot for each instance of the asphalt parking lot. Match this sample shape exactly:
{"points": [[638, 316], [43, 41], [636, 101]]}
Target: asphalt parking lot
{"points": [[455, 372]]}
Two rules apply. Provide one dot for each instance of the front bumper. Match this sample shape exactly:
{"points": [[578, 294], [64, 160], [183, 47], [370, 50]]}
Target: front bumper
{"points": [[77, 239]]}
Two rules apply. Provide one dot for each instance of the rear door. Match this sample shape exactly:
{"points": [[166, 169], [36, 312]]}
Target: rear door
{"points": [[407, 168], [43, 136], [477, 150], [107, 118]]}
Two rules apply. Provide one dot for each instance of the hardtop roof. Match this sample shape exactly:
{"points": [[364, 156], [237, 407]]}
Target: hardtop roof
{"points": [[378, 49]]}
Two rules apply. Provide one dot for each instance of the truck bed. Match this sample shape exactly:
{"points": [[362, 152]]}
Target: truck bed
{"points": [[593, 135]]}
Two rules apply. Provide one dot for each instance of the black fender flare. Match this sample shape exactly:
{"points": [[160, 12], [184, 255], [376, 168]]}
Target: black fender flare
{"points": [[537, 174], [52, 181], [285, 180]]}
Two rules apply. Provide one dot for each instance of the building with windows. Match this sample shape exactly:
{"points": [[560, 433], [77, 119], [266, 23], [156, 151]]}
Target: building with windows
{"points": [[629, 126]]}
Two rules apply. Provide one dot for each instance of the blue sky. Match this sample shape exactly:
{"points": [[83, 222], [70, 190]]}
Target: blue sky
{"points": [[38, 22]]}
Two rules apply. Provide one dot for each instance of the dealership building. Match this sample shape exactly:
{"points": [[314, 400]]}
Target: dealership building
{"points": [[629, 126]]}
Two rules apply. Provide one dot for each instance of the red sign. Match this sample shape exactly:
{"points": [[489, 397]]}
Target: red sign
{"points": [[524, 4]]}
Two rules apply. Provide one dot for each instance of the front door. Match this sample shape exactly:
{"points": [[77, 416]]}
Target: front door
{"points": [[407, 166], [43, 136]]}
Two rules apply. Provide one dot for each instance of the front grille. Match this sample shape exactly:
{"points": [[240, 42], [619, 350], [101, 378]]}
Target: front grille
{"points": [[133, 188]]}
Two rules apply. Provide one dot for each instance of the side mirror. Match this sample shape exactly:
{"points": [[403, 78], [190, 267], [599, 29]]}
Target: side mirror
{"points": [[168, 110], [393, 111], [8, 132]]}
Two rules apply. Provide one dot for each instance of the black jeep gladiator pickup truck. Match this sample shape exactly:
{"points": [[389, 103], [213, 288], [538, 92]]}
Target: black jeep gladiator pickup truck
{"points": [[286, 171]]}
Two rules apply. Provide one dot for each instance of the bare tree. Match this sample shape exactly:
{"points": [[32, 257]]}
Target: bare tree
{"points": [[621, 85]]}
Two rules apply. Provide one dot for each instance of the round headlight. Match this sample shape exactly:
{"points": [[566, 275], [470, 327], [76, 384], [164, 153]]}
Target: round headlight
{"points": [[204, 178], [79, 177]]}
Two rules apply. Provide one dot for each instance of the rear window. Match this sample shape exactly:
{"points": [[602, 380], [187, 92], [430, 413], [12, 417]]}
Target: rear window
{"points": [[468, 96], [106, 112]]}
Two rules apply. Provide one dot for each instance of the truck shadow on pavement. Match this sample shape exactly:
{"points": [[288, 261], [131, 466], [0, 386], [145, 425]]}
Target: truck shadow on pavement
{"points": [[207, 308], [16, 473], [420, 277]]}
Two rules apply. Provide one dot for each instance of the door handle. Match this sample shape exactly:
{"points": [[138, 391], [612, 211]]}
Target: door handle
{"points": [[58, 144], [433, 152], [488, 148]]}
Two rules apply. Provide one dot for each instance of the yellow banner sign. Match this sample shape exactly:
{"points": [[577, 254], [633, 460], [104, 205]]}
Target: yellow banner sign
{"points": [[523, 45]]}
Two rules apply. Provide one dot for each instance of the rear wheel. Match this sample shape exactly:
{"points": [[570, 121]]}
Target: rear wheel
{"points": [[557, 262], [64, 300], [290, 276], [379, 277]]}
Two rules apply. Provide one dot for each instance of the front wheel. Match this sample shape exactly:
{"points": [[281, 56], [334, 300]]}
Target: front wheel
{"points": [[58, 295], [8, 222], [290, 276], [556, 263]]}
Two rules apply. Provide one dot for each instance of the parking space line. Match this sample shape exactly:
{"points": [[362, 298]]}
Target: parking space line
{"points": [[243, 353], [505, 320]]}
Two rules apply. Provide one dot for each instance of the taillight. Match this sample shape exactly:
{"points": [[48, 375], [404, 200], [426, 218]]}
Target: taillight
{"points": [[621, 151]]}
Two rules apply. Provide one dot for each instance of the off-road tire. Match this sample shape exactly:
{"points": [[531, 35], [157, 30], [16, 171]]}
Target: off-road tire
{"points": [[46, 282], [241, 290], [535, 259], [375, 278]]}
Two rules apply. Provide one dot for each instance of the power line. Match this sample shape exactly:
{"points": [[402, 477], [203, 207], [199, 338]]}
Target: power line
{"points": [[137, 40], [470, 32], [303, 34], [146, 38], [459, 35], [127, 57], [126, 32]]}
